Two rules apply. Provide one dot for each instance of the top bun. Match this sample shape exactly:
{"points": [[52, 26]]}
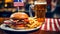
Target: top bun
{"points": [[19, 15]]}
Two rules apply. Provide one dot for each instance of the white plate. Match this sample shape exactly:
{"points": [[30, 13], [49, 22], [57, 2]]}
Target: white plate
{"points": [[2, 26]]}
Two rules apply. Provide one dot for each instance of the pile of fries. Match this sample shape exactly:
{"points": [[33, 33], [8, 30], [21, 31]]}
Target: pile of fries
{"points": [[33, 23]]}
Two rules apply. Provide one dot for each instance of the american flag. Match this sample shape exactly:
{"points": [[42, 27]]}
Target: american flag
{"points": [[51, 25], [18, 3]]}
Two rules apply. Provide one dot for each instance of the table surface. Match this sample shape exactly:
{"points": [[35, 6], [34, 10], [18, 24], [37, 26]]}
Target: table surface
{"points": [[37, 32]]}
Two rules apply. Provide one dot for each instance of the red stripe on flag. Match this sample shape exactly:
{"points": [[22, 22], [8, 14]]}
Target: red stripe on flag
{"points": [[50, 25], [18, 4], [59, 22], [55, 25], [45, 27]]}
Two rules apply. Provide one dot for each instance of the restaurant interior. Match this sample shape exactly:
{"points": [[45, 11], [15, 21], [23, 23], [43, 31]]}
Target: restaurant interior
{"points": [[7, 8]]}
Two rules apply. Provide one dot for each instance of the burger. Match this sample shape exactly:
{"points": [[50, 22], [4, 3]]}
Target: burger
{"points": [[19, 20]]}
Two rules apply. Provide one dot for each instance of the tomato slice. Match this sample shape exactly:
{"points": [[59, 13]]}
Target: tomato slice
{"points": [[26, 20], [21, 25]]}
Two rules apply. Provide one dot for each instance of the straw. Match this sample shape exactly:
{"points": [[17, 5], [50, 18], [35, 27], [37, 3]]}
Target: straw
{"points": [[18, 6], [30, 12]]}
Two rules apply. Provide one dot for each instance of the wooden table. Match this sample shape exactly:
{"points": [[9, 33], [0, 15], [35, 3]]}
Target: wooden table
{"points": [[37, 32]]}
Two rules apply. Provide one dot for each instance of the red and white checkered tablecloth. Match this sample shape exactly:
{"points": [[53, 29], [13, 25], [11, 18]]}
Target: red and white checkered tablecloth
{"points": [[51, 25]]}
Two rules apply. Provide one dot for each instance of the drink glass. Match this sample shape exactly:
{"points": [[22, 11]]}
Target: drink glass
{"points": [[40, 10]]}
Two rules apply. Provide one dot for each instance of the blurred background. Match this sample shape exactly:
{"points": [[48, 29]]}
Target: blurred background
{"points": [[7, 7]]}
